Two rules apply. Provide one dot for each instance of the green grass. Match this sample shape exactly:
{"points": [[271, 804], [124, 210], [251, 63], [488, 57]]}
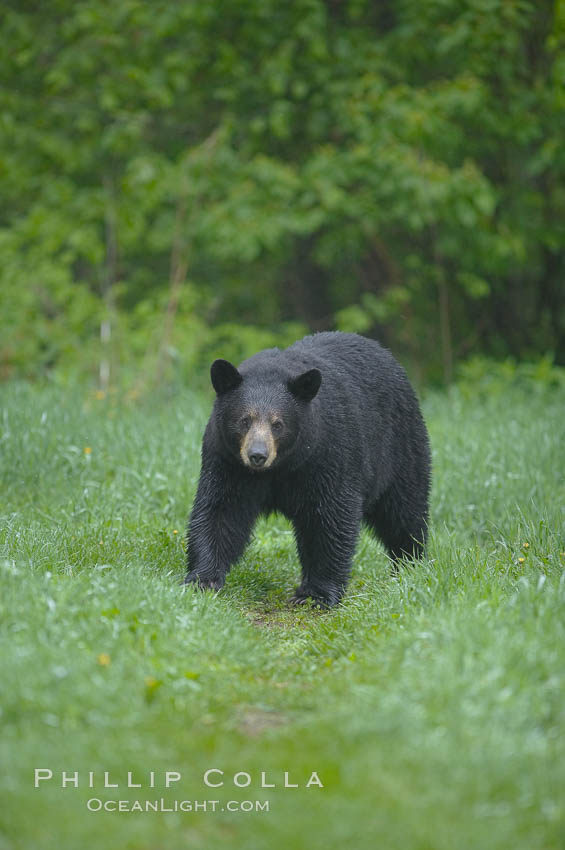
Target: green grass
{"points": [[431, 705]]}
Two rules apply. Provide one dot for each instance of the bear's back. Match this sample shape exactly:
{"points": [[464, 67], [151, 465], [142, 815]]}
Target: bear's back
{"points": [[347, 357], [356, 371], [339, 348]]}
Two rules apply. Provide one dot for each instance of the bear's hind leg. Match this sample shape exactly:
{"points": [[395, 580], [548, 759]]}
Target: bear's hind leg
{"points": [[401, 523]]}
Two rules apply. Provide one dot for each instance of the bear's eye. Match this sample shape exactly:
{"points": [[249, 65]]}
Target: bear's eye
{"points": [[277, 426], [246, 422]]}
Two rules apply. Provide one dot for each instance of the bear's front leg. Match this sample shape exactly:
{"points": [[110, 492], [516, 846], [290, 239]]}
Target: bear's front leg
{"points": [[326, 537], [219, 529]]}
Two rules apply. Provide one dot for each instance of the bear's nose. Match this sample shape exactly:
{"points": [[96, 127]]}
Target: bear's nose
{"points": [[257, 459], [258, 453]]}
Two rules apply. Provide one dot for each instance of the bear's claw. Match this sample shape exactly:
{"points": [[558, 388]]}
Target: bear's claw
{"points": [[203, 582], [302, 597]]}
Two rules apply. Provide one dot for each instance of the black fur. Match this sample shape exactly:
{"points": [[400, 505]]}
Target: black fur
{"points": [[354, 448]]}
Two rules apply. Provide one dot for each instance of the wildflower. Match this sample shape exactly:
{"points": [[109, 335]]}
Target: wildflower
{"points": [[104, 659], [521, 560], [87, 450], [151, 687], [175, 531], [525, 545]]}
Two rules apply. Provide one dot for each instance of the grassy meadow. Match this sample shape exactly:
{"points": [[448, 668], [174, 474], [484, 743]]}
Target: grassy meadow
{"points": [[430, 705]]}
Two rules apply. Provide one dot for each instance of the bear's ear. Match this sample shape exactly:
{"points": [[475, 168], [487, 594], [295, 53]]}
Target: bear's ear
{"points": [[306, 385], [224, 376]]}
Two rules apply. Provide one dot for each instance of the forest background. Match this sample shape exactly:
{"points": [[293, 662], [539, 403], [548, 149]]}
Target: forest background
{"points": [[186, 180]]}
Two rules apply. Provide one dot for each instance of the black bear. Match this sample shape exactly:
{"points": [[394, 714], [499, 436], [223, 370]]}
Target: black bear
{"points": [[329, 433]]}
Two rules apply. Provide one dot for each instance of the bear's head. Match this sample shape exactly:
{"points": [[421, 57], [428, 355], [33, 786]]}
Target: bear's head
{"points": [[259, 414]]}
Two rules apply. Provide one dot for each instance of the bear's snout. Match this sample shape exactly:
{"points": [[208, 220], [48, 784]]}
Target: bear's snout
{"points": [[258, 449], [258, 454]]}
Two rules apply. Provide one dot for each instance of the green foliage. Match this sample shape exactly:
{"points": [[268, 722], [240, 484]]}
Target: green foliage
{"points": [[396, 167], [432, 703], [480, 377]]}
